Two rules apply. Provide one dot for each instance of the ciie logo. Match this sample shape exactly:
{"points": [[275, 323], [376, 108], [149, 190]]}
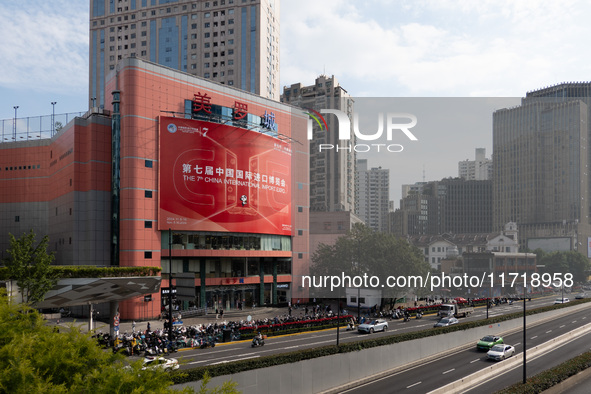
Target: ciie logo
{"points": [[392, 124], [171, 128]]}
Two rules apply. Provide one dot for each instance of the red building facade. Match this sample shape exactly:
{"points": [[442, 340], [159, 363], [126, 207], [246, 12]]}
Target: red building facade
{"points": [[215, 175]]}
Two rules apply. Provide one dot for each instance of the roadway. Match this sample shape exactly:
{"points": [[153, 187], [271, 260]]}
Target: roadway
{"points": [[241, 350], [455, 366]]}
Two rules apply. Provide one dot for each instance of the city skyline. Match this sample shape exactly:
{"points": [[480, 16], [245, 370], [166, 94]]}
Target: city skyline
{"points": [[376, 49]]}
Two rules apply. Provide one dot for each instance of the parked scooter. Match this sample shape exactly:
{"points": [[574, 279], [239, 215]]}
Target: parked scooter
{"points": [[206, 342], [419, 315]]}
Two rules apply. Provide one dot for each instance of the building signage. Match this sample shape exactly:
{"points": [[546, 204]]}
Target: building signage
{"points": [[217, 177], [283, 285]]}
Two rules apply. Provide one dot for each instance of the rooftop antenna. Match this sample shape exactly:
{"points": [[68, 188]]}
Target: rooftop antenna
{"points": [[423, 173]]}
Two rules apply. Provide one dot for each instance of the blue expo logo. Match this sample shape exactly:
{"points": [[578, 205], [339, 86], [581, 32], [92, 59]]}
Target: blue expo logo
{"points": [[172, 128]]}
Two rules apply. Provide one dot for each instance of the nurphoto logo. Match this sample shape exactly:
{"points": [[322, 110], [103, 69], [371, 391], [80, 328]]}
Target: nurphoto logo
{"points": [[395, 122]]}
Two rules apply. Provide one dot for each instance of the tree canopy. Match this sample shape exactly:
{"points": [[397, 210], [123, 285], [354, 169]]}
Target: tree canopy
{"points": [[365, 251], [29, 265], [36, 359], [565, 262]]}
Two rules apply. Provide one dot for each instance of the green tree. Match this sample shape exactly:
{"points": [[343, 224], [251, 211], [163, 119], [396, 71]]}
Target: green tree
{"points": [[36, 359], [571, 262], [363, 251], [29, 265]]}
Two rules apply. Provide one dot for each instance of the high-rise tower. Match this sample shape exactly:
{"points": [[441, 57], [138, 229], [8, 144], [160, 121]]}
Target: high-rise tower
{"points": [[332, 172], [234, 42]]}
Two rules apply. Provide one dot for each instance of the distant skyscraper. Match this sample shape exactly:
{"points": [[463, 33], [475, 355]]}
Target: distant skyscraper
{"points": [[541, 165], [453, 206], [415, 188], [373, 189], [229, 41], [479, 169], [332, 172]]}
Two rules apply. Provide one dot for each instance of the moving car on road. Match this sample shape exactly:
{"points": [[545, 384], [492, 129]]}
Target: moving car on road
{"points": [[500, 352], [447, 321], [487, 342], [160, 363], [372, 326], [561, 300]]}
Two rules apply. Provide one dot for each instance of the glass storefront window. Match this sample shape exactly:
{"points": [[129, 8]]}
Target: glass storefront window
{"points": [[228, 241]]}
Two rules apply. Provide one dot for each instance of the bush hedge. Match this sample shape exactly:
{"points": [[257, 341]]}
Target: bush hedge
{"points": [[86, 271], [294, 327], [195, 374], [551, 377]]}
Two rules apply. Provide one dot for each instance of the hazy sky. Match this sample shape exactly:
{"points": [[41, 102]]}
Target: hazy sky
{"points": [[378, 48]]}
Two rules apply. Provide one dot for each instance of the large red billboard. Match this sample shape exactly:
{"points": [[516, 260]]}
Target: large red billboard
{"points": [[216, 177]]}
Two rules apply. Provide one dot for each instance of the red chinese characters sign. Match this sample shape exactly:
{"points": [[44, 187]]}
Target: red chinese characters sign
{"points": [[216, 177]]}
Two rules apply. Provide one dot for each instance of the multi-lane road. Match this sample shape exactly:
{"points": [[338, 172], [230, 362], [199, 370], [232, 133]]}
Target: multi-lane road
{"points": [[454, 366], [242, 350], [431, 375]]}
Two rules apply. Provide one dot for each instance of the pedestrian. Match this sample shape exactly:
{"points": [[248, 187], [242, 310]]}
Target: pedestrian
{"points": [[221, 313], [133, 326], [217, 313], [149, 327]]}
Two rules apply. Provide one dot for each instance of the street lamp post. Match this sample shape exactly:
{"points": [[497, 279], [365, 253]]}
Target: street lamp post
{"points": [[15, 108], [170, 285], [338, 315], [524, 324], [53, 103]]}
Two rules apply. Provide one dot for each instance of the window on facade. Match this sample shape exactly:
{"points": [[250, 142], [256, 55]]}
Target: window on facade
{"points": [[148, 224], [147, 255], [149, 164], [148, 193]]}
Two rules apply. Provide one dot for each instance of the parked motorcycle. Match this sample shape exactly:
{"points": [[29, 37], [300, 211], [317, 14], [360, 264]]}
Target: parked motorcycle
{"points": [[419, 315], [206, 342]]}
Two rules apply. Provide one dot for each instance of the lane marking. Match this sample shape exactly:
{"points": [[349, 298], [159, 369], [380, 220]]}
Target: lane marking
{"points": [[474, 361], [548, 332], [451, 370], [561, 326], [517, 344], [291, 347], [412, 385], [236, 359], [534, 337]]}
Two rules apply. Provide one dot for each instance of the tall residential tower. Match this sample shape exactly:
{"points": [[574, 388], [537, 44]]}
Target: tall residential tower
{"points": [[332, 172], [234, 42], [373, 189]]}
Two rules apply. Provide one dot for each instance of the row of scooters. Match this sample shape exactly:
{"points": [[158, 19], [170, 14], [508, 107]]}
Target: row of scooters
{"points": [[130, 345]]}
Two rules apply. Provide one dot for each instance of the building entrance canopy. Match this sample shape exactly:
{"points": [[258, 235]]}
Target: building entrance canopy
{"points": [[84, 291]]}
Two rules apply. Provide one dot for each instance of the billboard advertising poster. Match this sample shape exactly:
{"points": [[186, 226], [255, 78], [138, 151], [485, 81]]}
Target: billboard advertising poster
{"points": [[218, 177]]}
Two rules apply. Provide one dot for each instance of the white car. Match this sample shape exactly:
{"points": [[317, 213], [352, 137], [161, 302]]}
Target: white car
{"points": [[561, 300], [167, 364], [500, 352], [372, 326]]}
